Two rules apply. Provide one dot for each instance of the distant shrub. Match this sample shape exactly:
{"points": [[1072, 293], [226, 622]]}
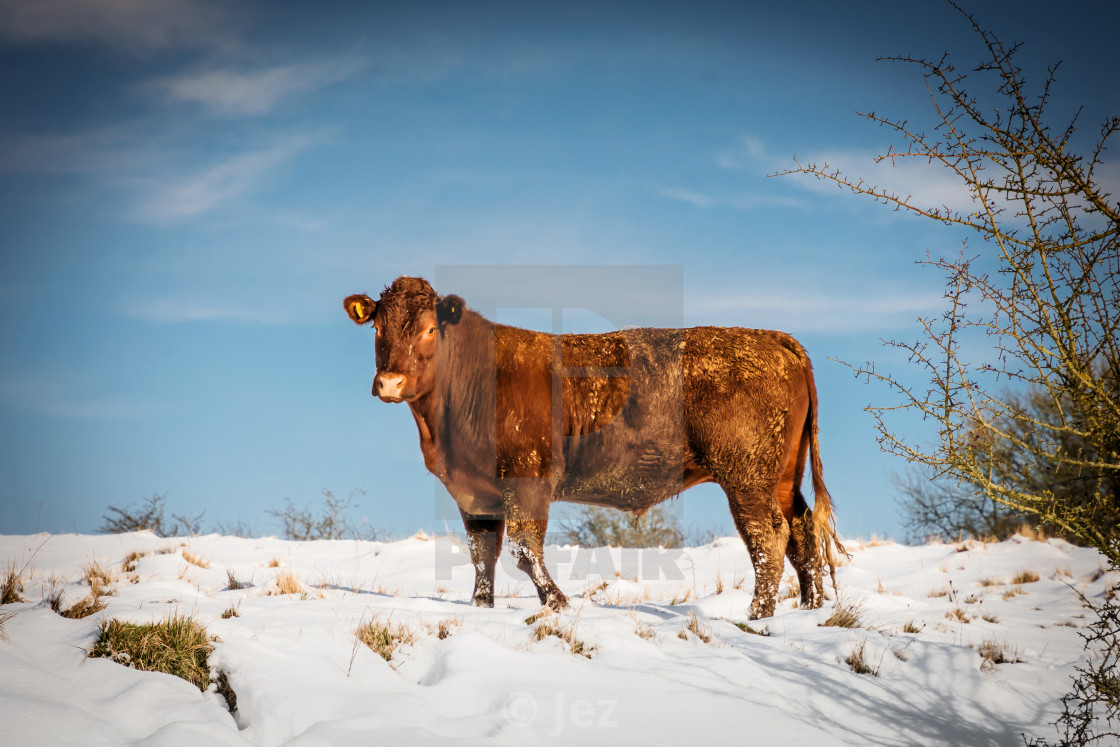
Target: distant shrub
{"points": [[330, 522], [608, 527], [149, 515]]}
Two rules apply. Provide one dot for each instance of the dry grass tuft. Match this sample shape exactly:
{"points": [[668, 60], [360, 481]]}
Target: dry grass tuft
{"points": [[990, 582], [177, 645], [166, 550], [1025, 577], [1014, 592], [644, 631], [566, 634], [128, 565], [701, 630], [274, 563], [445, 627], [5, 616], [234, 584], [764, 632], [990, 617], [540, 614], [232, 612], [84, 607], [719, 583], [848, 614], [941, 591], [287, 583], [793, 588], [195, 559], [958, 613], [99, 579], [383, 638], [12, 586], [858, 662], [995, 652], [911, 627]]}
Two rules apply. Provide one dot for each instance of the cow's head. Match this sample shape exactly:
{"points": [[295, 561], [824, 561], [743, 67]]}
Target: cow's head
{"points": [[410, 319]]}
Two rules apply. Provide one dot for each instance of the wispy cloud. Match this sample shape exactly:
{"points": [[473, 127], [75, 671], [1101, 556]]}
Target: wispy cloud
{"points": [[734, 201], [130, 24], [186, 196], [244, 93]]}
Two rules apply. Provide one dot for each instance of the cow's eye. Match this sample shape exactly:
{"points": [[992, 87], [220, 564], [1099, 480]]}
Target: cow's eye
{"points": [[431, 330]]}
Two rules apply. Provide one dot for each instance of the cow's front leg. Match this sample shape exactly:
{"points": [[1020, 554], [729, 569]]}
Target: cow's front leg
{"points": [[526, 543], [484, 538]]}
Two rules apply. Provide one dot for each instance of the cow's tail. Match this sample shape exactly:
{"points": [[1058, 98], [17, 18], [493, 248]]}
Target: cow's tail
{"points": [[824, 522]]}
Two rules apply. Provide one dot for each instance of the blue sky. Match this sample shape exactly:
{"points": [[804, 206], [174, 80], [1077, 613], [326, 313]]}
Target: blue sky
{"points": [[188, 189]]}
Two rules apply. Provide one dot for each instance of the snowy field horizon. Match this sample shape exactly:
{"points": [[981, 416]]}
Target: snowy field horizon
{"points": [[957, 643]]}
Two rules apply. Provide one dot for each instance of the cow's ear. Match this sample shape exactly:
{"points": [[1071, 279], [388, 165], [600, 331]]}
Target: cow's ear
{"points": [[449, 309], [360, 307]]}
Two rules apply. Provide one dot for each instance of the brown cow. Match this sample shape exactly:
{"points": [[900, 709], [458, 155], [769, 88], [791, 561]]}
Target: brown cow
{"points": [[511, 420]]}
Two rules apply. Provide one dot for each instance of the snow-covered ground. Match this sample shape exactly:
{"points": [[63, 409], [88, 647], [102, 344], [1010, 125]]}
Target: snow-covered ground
{"points": [[300, 678]]}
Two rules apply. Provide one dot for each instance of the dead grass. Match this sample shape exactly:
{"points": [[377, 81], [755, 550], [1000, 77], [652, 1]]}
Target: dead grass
{"points": [[990, 617], [911, 627], [957, 613], [177, 645], [287, 583], [847, 614], [232, 612], [274, 563], [84, 607], [701, 630], [99, 578], [195, 559], [566, 634], [1025, 577], [793, 588], [234, 584], [746, 628], [644, 631], [858, 662], [5, 616], [128, 565], [990, 582], [1014, 592], [719, 583], [12, 586], [994, 652], [445, 627], [383, 637], [941, 591]]}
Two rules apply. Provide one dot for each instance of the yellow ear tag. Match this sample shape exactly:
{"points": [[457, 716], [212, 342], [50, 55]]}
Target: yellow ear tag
{"points": [[359, 310]]}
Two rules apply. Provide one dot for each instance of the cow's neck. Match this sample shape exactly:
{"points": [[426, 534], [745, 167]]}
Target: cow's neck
{"points": [[463, 384]]}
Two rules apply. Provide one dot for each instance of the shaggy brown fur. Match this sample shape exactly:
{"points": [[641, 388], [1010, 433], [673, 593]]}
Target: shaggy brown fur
{"points": [[511, 420]]}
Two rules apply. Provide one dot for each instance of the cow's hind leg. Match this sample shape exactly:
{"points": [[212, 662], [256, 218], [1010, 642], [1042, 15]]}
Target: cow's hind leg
{"points": [[484, 538], [526, 543], [803, 554], [765, 532]]}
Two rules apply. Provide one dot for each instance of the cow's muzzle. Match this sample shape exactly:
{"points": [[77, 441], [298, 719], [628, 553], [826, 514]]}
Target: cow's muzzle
{"points": [[389, 387]]}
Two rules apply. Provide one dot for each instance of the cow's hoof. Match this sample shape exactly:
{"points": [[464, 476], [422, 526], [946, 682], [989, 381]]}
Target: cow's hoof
{"points": [[759, 611], [483, 601]]}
